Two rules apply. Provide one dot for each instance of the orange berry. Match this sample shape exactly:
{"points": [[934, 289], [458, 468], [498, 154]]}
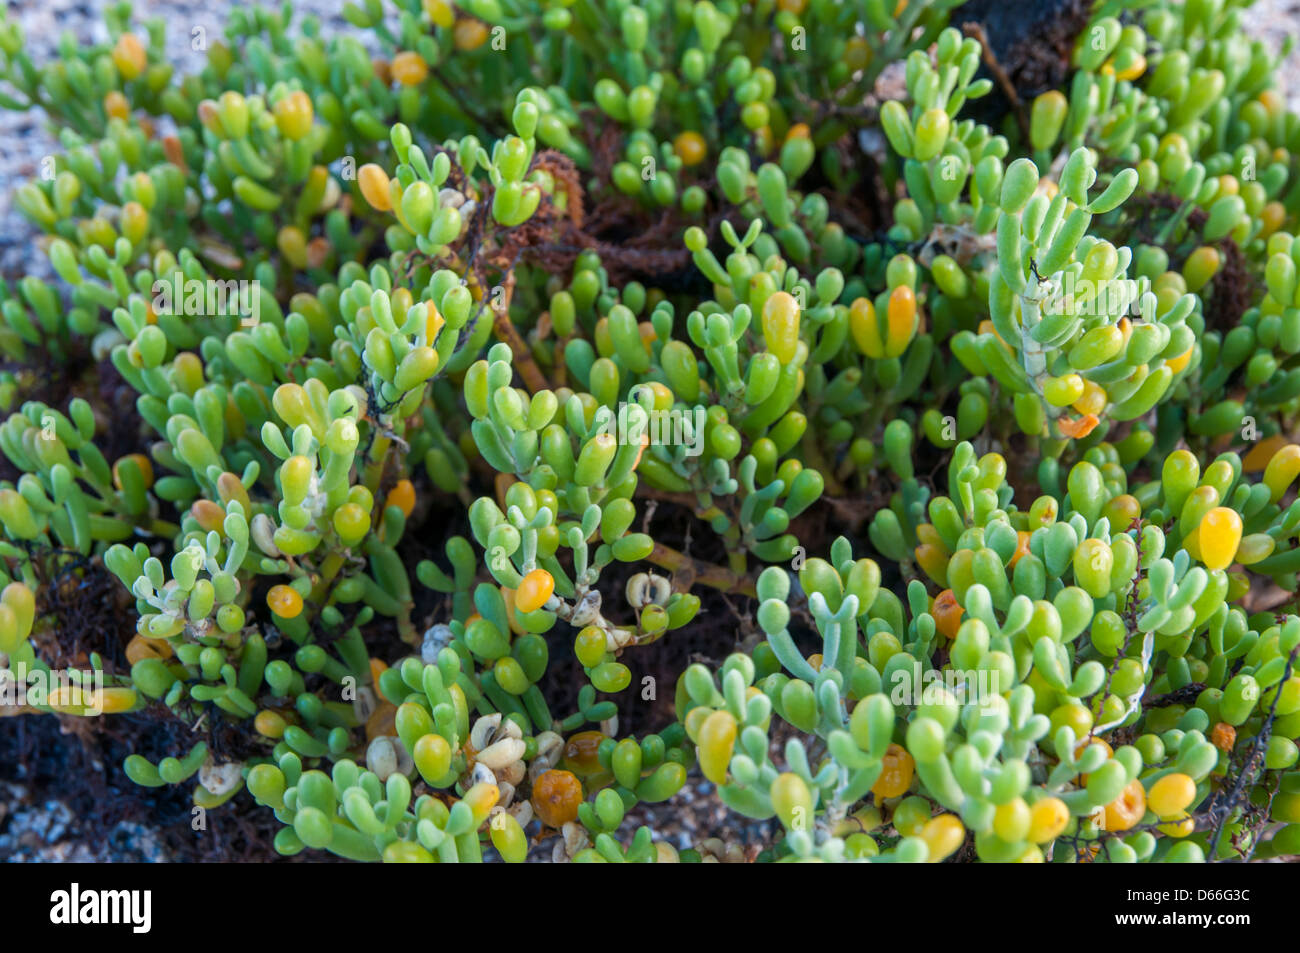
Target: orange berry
{"points": [[129, 56], [947, 614], [141, 648], [896, 775], [409, 68], [1258, 456], [115, 105], [284, 601], [1022, 548], [690, 148], [1271, 217], [799, 130], [1223, 736], [900, 319], [209, 515], [534, 590], [933, 559], [469, 34], [1272, 100], [402, 496], [580, 753], [143, 462], [556, 796], [1126, 810], [377, 668]]}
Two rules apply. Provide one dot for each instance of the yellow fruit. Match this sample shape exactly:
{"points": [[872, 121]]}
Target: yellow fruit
{"points": [[293, 115], [534, 590], [141, 648], [781, 326], [374, 186], [115, 105], [432, 325], [1281, 470], [432, 755], [481, 798], [793, 802], [1180, 826], [469, 34], [1176, 364], [284, 601], [1271, 217], [690, 148], [509, 838], [440, 12], [1093, 399], [1011, 820], [1171, 795], [113, 700], [1219, 535], [943, 835], [865, 330], [409, 68], [269, 724], [716, 744], [129, 56], [1047, 818]]}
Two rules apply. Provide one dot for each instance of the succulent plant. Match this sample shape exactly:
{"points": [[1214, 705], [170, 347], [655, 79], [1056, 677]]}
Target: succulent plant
{"points": [[425, 321]]}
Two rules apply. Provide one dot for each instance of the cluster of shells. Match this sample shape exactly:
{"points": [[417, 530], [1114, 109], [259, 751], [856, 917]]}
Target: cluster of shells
{"points": [[496, 755]]}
